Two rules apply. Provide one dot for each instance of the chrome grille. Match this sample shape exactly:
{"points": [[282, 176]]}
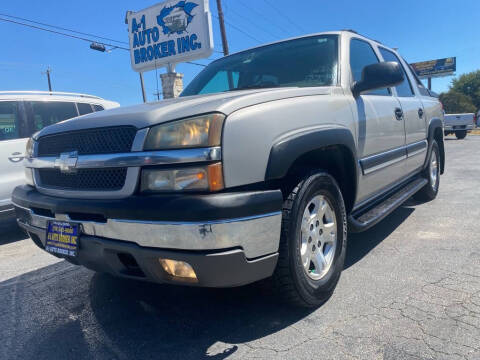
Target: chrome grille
{"points": [[107, 140], [108, 179]]}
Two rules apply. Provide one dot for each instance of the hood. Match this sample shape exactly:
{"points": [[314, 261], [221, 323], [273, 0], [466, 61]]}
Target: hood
{"points": [[145, 115]]}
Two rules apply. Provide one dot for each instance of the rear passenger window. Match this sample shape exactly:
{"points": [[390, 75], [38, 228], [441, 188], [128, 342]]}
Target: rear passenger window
{"points": [[361, 55], [50, 112], [84, 108], [404, 89], [9, 121], [98, 107]]}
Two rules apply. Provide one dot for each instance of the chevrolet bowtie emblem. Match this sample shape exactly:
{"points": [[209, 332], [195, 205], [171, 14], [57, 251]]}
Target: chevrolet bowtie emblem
{"points": [[67, 162]]}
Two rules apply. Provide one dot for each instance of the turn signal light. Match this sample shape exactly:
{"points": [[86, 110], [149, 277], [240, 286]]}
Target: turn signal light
{"points": [[178, 269]]}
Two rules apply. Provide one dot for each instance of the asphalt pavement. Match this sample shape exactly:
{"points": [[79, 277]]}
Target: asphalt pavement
{"points": [[410, 290]]}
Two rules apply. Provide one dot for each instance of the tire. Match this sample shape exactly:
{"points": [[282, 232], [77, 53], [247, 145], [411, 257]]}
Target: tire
{"points": [[461, 134], [291, 279], [430, 191]]}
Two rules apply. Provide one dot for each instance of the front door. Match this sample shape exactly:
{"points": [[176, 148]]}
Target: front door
{"points": [[381, 129], [12, 150]]}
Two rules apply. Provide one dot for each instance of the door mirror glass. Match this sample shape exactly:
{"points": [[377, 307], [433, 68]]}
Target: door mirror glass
{"points": [[378, 76]]}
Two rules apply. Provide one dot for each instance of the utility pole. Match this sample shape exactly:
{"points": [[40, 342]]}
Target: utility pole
{"points": [[222, 28], [143, 88], [48, 78]]}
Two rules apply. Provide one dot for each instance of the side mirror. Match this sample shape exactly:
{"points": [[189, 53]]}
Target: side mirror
{"points": [[378, 76]]}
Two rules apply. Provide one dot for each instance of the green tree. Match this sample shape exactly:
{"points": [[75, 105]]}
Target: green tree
{"points": [[455, 102], [469, 85]]}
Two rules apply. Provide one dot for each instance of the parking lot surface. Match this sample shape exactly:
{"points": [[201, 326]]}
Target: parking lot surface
{"points": [[410, 290]]}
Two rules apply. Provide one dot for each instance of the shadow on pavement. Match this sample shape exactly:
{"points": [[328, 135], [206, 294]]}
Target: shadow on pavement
{"points": [[359, 245], [64, 311], [10, 232]]}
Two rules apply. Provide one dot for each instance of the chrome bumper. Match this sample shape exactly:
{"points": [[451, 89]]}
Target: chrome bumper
{"points": [[257, 235]]}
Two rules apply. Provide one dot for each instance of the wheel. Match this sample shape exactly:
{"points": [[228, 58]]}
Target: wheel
{"points": [[461, 134], [313, 241], [432, 174]]}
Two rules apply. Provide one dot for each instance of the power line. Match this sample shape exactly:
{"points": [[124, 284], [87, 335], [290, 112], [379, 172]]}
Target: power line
{"points": [[260, 15], [240, 30], [79, 38], [60, 33], [285, 16], [253, 23], [62, 28], [73, 31]]}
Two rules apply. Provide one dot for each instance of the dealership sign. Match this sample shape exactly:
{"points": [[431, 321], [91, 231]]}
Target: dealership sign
{"points": [[168, 33], [435, 68]]}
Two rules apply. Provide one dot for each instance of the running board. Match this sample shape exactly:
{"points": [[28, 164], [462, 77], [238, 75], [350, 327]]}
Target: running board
{"points": [[362, 221]]}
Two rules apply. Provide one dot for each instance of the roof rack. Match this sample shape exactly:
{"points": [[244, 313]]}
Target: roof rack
{"points": [[49, 93], [350, 30]]}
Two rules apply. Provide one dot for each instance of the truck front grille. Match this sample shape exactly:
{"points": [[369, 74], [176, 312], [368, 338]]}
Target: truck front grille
{"points": [[107, 140], [108, 179]]}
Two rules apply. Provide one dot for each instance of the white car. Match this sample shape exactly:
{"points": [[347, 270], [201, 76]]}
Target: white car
{"points": [[23, 113]]}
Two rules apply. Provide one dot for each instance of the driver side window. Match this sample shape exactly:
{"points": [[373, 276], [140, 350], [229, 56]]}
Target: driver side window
{"points": [[361, 55]]}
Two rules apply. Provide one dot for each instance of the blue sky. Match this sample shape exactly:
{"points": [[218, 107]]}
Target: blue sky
{"points": [[422, 30]]}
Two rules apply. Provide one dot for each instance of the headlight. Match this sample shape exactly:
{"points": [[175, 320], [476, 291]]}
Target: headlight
{"points": [[29, 148], [198, 178], [201, 131]]}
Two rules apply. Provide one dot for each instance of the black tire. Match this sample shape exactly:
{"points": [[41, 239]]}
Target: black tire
{"points": [[461, 134], [290, 278], [430, 191]]}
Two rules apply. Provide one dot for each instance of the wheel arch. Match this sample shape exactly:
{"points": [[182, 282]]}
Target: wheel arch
{"points": [[435, 132], [332, 150]]}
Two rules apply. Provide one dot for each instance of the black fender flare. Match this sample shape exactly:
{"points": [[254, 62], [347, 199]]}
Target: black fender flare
{"points": [[435, 124], [284, 153]]}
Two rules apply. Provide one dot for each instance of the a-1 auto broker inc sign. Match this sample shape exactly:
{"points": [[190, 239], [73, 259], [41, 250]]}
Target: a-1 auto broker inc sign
{"points": [[168, 33]]}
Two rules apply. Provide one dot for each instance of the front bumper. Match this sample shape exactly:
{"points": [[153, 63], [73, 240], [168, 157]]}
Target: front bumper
{"points": [[229, 239]]}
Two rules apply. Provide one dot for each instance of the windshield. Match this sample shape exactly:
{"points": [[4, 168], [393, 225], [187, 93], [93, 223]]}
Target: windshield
{"points": [[310, 61]]}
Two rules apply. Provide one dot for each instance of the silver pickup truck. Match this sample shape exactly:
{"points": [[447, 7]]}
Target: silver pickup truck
{"points": [[258, 171], [459, 124]]}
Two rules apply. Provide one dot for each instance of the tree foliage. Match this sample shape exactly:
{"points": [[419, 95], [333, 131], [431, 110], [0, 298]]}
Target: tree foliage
{"points": [[455, 102], [469, 84], [463, 95]]}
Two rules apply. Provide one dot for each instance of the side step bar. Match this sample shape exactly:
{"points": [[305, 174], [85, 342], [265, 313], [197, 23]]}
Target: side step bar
{"points": [[358, 222]]}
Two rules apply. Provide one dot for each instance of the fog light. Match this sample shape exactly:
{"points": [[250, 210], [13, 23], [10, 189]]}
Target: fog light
{"points": [[179, 269]]}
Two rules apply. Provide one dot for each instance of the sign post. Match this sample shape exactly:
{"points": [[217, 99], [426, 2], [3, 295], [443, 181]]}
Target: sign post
{"points": [[169, 33]]}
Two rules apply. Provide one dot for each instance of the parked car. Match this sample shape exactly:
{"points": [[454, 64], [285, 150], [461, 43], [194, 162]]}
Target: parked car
{"points": [[256, 172], [23, 113], [459, 124]]}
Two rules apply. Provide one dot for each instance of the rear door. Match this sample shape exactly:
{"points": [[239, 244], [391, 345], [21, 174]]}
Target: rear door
{"points": [[13, 140], [381, 135], [413, 114]]}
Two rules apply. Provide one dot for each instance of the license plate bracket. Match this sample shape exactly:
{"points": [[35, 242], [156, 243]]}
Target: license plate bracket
{"points": [[62, 238]]}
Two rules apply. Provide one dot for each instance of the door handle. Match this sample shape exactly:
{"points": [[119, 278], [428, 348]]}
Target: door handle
{"points": [[420, 113], [399, 114], [16, 157]]}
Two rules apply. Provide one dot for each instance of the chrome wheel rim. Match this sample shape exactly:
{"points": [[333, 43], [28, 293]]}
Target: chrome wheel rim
{"points": [[433, 170], [319, 237]]}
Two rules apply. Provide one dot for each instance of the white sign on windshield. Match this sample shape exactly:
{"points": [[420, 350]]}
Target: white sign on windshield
{"points": [[169, 33]]}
